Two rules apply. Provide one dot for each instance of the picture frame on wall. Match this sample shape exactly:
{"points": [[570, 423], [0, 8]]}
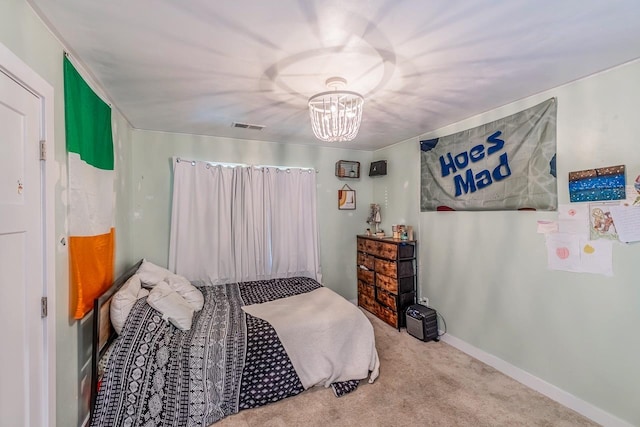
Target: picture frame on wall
{"points": [[346, 198]]}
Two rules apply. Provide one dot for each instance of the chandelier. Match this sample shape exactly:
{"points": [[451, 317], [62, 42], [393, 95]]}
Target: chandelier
{"points": [[335, 115]]}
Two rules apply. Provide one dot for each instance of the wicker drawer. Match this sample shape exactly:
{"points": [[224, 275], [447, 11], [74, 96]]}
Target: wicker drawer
{"points": [[366, 298], [365, 276], [393, 285], [389, 316], [394, 268], [362, 244], [366, 260], [387, 250], [387, 283], [386, 299], [388, 268], [383, 250]]}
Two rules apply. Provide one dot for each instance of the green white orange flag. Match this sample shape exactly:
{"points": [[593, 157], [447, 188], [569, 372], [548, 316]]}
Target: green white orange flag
{"points": [[91, 191]]}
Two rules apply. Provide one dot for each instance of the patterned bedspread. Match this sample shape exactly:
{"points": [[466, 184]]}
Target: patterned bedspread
{"points": [[228, 361]]}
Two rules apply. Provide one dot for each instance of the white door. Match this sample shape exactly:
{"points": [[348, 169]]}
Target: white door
{"points": [[22, 366]]}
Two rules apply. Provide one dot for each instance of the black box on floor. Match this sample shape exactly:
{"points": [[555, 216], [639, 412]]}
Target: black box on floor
{"points": [[422, 322]]}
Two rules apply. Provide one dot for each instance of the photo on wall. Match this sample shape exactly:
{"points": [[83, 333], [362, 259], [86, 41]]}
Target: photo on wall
{"points": [[346, 198]]}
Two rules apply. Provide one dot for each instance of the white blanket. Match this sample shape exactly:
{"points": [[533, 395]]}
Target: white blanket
{"points": [[327, 338]]}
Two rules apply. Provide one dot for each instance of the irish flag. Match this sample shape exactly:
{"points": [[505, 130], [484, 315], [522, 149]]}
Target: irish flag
{"points": [[91, 187]]}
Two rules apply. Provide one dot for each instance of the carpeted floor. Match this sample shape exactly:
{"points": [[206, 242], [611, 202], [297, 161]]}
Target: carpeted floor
{"points": [[420, 384]]}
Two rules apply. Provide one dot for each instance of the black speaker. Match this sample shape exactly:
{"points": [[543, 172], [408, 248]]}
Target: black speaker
{"points": [[378, 168], [422, 322]]}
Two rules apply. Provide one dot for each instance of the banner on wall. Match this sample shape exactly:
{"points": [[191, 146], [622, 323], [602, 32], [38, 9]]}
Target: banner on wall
{"points": [[508, 164], [91, 181]]}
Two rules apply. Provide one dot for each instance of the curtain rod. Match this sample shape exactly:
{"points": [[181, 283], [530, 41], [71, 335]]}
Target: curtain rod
{"points": [[233, 165]]}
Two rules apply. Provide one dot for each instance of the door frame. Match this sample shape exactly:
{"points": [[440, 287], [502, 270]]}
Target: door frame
{"points": [[22, 74]]}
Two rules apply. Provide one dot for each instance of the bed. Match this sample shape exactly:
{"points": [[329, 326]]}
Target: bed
{"points": [[251, 344]]}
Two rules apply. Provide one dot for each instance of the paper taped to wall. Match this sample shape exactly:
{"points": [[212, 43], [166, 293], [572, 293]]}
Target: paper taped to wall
{"points": [[626, 219]]}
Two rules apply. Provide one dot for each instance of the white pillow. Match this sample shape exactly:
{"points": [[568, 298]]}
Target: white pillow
{"points": [[186, 290], [151, 274], [123, 301], [173, 307]]}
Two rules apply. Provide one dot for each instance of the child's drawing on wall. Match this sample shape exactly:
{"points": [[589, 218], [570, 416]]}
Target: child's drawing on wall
{"points": [[601, 222]]}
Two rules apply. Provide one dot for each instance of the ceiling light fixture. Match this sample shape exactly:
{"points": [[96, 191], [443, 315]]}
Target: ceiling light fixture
{"points": [[336, 115]]}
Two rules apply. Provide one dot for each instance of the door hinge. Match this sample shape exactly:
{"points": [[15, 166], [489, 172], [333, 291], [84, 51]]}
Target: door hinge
{"points": [[43, 150], [43, 307]]}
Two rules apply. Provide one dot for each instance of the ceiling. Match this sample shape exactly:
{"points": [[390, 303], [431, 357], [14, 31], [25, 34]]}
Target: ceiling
{"points": [[197, 66]]}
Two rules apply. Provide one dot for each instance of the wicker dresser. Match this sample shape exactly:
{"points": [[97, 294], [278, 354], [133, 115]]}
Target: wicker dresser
{"points": [[386, 277]]}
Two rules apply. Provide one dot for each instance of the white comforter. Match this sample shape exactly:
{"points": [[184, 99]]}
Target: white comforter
{"points": [[327, 338]]}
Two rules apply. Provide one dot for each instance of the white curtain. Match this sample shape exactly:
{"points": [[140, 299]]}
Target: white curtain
{"points": [[232, 224]]}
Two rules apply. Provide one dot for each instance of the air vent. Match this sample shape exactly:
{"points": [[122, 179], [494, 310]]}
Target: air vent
{"points": [[246, 126]]}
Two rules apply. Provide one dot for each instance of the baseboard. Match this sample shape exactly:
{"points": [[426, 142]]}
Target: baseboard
{"points": [[564, 398]]}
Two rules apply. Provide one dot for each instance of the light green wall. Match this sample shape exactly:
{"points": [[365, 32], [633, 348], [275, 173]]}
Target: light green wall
{"points": [[122, 147], [152, 180], [22, 32], [486, 272], [396, 191]]}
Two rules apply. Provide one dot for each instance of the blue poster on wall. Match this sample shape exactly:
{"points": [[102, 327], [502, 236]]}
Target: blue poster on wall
{"points": [[508, 164]]}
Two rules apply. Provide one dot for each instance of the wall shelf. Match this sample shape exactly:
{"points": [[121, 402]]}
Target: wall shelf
{"points": [[347, 169]]}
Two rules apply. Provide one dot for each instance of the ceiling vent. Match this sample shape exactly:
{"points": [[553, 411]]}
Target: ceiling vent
{"points": [[247, 126]]}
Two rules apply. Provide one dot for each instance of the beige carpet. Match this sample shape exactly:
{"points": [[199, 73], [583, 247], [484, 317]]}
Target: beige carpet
{"points": [[420, 384]]}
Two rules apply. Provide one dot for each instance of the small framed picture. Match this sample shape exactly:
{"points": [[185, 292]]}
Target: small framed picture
{"points": [[346, 198]]}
